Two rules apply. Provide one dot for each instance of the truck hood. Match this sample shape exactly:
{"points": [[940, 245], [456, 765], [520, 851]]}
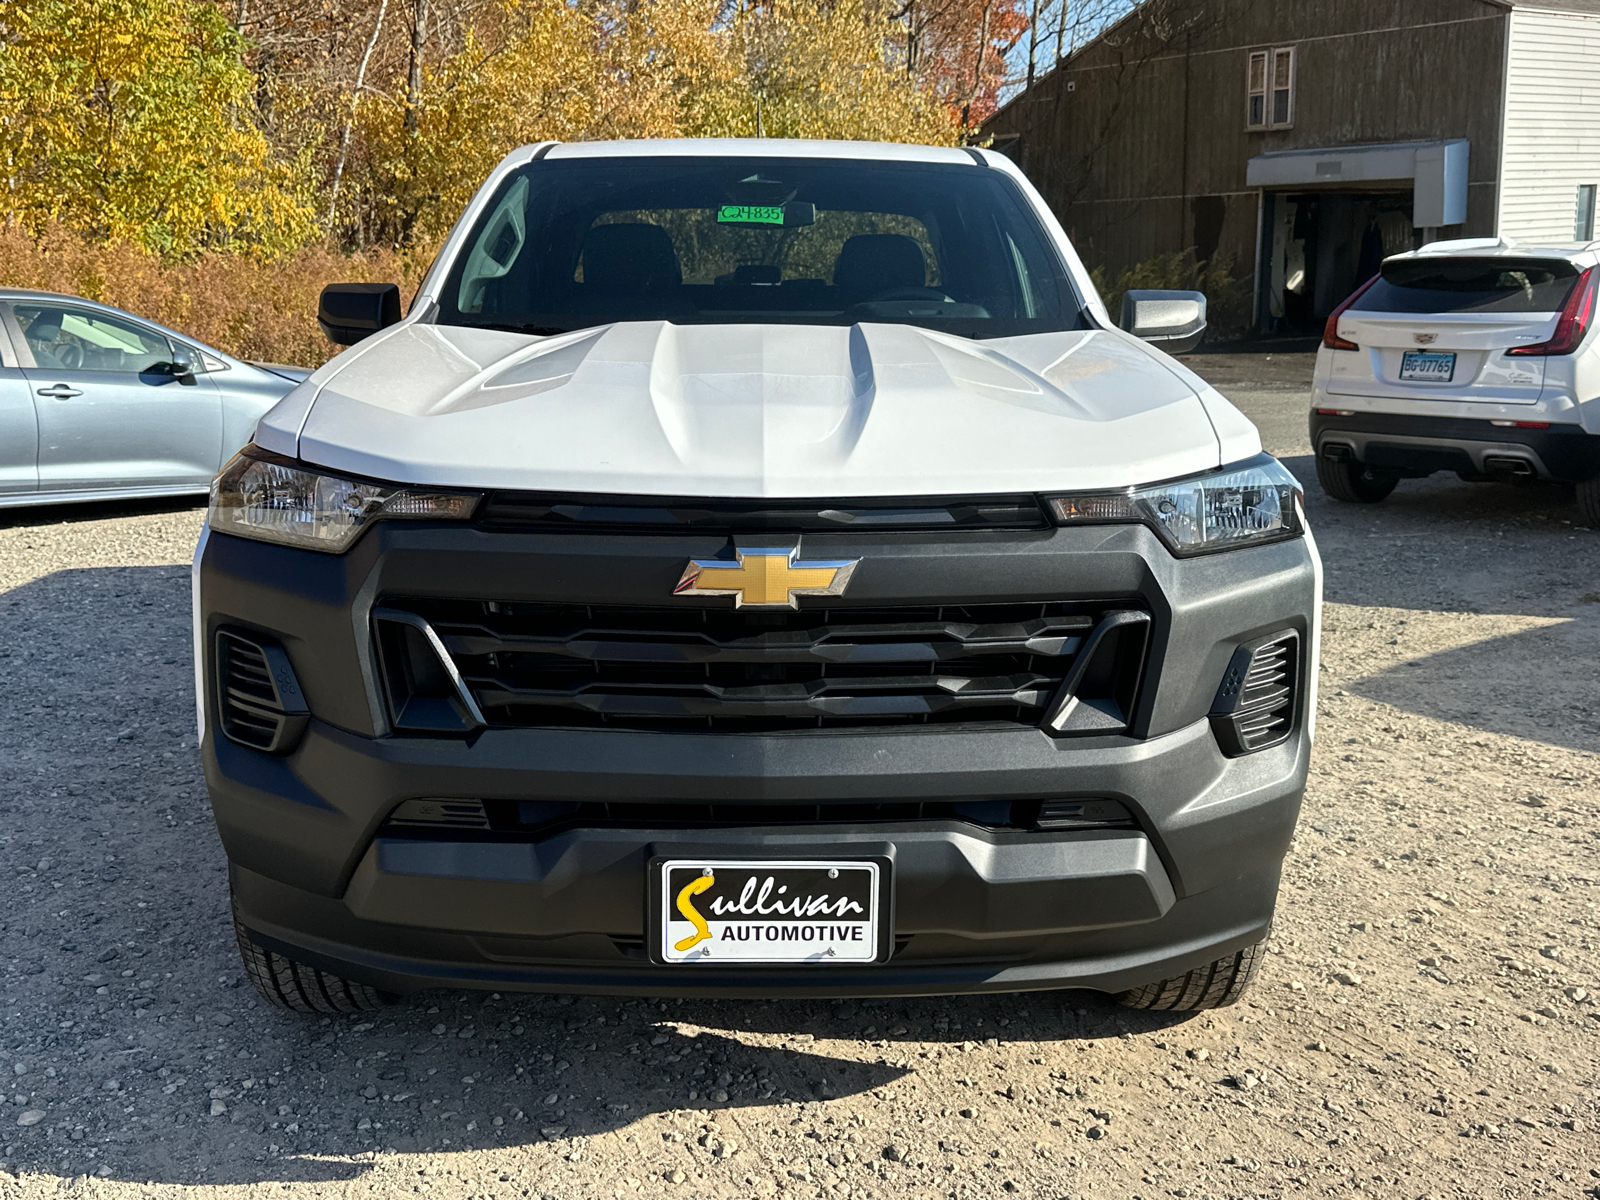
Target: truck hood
{"points": [[653, 408]]}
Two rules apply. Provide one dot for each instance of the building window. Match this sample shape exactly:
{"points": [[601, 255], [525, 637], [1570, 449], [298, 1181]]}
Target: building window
{"points": [[1583, 223], [1270, 89]]}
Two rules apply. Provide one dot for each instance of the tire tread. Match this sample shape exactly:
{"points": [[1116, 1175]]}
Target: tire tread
{"points": [[1215, 985], [296, 987], [1588, 494], [1353, 483]]}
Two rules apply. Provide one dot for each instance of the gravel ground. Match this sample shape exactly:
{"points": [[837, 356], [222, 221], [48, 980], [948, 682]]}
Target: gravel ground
{"points": [[1425, 1024]]}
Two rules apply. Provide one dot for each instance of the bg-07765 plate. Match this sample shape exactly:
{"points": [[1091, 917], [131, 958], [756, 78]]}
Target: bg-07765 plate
{"points": [[1427, 366], [737, 912]]}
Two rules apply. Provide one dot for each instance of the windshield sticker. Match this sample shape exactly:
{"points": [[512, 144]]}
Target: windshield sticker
{"points": [[749, 214]]}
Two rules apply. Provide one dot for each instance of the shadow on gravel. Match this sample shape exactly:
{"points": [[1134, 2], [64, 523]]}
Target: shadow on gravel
{"points": [[129, 1030], [96, 510]]}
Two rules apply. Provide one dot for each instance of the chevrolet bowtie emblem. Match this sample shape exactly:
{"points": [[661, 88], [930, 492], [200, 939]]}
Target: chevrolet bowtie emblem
{"points": [[766, 578]]}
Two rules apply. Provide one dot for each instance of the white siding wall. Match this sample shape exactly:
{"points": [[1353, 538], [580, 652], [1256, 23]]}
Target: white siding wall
{"points": [[1552, 122]]}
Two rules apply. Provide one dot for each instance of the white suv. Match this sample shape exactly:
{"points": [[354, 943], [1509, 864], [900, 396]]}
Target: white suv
{"points": [[1474, 356]]}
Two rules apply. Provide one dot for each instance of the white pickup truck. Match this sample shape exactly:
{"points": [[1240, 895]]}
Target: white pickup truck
{"points": [[755, 568]]}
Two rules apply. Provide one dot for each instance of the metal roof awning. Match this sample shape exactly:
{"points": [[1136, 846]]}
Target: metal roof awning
{"points": [[1438, 171]]}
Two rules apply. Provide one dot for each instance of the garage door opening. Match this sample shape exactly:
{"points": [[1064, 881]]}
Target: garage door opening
{"points": [[1318, 247]]}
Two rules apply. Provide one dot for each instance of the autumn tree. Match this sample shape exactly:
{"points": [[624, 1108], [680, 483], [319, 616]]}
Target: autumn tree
{"points": [[133, 119]]}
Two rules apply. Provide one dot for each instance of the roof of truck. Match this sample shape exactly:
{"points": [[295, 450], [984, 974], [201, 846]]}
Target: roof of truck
{"points": [[765, 148]]}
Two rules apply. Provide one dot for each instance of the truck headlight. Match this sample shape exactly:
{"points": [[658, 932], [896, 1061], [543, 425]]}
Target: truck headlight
{"points": [[1246, 504], [274, 499]]}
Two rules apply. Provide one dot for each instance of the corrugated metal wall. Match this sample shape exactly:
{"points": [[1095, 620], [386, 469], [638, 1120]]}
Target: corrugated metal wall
{"points": [[1552, 122]]}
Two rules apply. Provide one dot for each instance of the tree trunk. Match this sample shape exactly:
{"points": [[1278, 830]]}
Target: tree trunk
{"points": [[1033, 40], [350, 118], [419, 35]]}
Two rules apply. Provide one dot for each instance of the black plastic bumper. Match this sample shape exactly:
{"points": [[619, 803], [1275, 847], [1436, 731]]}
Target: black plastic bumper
{"points": [[974, 909], [1421, 445]]}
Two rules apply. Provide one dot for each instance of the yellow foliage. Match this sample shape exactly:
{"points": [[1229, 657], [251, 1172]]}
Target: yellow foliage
{"points": [[143, 120], [128, 119], [649, 69]]}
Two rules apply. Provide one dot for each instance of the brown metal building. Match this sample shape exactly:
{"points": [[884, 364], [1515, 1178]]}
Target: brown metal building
{"points": [[1303, 140]]}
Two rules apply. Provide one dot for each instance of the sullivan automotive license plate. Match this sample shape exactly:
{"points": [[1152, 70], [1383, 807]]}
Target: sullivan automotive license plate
{"points": [[739, 911], [1428, 366]]}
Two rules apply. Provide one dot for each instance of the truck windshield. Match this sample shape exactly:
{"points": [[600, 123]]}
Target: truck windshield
{"points": [[568, 244], [1465, 285]]}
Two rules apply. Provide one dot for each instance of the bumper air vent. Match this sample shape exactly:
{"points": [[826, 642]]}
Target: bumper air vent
{"points": [[1256, 704], [1083, 814], [440, 814], [259, 702], [692, 668]]}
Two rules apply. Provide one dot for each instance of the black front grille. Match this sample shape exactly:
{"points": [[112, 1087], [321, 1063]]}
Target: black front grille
{"points": [[690, 667], [258, 699]]}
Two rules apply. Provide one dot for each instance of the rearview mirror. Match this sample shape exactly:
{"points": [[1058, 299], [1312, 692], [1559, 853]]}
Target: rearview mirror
{"points": [[349, 312], [1173, 321]]}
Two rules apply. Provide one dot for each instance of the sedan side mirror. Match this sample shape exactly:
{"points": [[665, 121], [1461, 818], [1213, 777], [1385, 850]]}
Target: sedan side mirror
{"points": [[1169, 320], [180, 369], [349, 312]]}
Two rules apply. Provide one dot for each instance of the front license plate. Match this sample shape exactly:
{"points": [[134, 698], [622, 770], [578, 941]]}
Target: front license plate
{"points": [[736, 911], [1427, 366]]}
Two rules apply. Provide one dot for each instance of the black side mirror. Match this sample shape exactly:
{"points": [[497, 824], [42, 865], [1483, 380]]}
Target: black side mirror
{"points": [[349, 312], [178, 369]]}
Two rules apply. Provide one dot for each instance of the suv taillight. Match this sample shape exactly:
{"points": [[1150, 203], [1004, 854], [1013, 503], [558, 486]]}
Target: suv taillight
{"points": [[1330, 331], [1577, 314]]}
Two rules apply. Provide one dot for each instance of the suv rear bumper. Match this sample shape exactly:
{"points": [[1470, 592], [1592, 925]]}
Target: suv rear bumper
{"points": [[317, 875], [1418, 446]]}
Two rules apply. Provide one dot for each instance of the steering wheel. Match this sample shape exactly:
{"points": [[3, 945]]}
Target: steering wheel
{"points": [[912, 293], [70, 356]]}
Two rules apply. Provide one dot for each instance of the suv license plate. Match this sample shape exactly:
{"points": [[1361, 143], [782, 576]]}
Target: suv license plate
{"points": [[716, 911], [1427, 366]]}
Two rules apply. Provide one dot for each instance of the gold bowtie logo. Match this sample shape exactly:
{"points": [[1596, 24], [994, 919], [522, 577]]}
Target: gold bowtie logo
{"points": [[765, 578]]}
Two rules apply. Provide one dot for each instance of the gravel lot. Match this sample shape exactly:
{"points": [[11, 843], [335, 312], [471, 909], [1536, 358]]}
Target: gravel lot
{"points": [[1425, 1025]]}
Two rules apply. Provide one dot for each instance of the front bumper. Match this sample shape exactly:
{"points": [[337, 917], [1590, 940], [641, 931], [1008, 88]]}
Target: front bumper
{"points": [[1421, 445], [317, 876]]}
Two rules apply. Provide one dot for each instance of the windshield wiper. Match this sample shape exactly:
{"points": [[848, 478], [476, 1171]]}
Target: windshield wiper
{"points": [[531, 330]]}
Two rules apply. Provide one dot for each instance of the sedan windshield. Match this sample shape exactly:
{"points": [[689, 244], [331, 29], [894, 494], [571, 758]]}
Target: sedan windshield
{"points": [[575, 243]]}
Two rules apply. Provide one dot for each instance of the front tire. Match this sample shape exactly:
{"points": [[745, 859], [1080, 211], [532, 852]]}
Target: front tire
{"points": [[298, 988], [1213, 986], [1350, 481], [1589, 502]]}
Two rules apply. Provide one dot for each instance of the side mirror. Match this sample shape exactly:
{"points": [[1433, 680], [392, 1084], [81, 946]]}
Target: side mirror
{"points": [[349, 312], [1169, 320], [180, 369]]}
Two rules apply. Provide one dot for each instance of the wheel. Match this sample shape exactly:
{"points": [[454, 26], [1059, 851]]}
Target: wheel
{"points": [[1215, 986], [298, 988], [1589, 502], [1347, 480]]}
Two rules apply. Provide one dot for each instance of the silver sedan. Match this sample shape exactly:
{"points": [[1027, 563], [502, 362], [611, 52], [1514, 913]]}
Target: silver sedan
{"points": [[97, 404]]}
